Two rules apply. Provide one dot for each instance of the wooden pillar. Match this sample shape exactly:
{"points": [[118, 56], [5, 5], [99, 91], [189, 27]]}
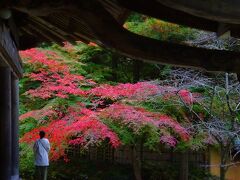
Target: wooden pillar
{"points": [[5, 123], [14, 126], [184, 166]]}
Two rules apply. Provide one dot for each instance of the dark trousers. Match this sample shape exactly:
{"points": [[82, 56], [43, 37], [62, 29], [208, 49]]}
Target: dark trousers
{"points": [[41, 172]]}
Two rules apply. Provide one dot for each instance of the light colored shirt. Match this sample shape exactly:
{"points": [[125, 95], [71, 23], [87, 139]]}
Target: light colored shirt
{"points": [[41, 149]]}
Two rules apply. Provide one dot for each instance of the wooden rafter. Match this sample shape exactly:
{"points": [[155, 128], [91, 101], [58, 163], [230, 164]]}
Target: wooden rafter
{"points": [[112, 35], [160, 11], [157, 10], [226, 11], [97, 21], [8, 52]]}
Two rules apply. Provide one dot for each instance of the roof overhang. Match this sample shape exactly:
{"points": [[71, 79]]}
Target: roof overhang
{"points": [[9, 56], [101, 21]]}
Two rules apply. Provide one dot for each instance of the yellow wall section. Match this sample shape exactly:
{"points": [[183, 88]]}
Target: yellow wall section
{"points": [[233, 172]]}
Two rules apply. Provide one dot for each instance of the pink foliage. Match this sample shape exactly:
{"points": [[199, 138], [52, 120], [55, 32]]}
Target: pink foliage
{"points": [[169, 140], [186, 96], [140, 90], [82, 126], [136, 118], [39, 114], [55, 77], [84, 129]]}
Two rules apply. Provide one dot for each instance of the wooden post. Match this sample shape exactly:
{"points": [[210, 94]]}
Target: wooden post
{"points": [[184, 166], [5, 123], [10, 63], [15, 143], [136, 163]]}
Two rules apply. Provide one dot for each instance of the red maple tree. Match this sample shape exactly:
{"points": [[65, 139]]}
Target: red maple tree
{"points": [[86, 127]]}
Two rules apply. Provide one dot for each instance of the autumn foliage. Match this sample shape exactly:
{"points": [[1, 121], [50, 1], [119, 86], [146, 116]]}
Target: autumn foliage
{"points": [[80, 127], [137, 118], [55, 77], [84, 125], [140, 90]]}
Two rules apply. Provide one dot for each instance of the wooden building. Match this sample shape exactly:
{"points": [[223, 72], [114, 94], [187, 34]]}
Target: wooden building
{"points": [[25, 23]]}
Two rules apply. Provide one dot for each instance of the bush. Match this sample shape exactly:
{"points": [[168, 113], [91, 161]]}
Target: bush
{"points": [[81, 169], [27, 167]]}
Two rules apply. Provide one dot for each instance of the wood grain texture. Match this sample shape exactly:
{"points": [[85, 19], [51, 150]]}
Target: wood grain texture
{"points": [[226, 11], [98, 21], [112, 35], [8, 51]]}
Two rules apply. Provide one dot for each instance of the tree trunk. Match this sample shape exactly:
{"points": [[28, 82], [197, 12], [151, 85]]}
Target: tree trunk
{"points": [[222, 168], [222, 173], [136, 162], [184, 166]]}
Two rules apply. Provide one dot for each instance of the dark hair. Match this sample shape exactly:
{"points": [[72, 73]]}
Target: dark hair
{"points": [[42, 134]]}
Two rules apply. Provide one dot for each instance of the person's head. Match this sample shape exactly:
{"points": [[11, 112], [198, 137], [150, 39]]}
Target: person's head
{"points": [[42, 134]]}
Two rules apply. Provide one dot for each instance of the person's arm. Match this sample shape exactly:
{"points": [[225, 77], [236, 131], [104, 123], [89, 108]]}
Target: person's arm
{"points": [[48, 146]]}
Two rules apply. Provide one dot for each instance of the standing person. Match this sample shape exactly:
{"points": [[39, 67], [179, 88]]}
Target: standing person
{"points": [[41, 149]]}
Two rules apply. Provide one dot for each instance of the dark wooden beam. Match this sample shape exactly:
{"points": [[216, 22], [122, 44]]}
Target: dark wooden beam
{"points": [[226, 11], [118, 12], [218, 10], [27, 41], [195, 14], [8, 51], [160, 11], [15, 128], [5, 123], [112, 35], [52, 30], [157, 10]]}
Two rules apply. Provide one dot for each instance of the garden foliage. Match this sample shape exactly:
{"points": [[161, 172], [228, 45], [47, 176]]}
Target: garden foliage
{"points": [[81, 96], [79, 111]]}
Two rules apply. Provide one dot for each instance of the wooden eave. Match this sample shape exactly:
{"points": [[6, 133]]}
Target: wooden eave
{"points": [[9, 56], [102, 22]]}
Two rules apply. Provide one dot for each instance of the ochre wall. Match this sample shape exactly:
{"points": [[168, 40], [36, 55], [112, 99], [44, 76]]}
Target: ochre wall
{"points": [[233, 172]]}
